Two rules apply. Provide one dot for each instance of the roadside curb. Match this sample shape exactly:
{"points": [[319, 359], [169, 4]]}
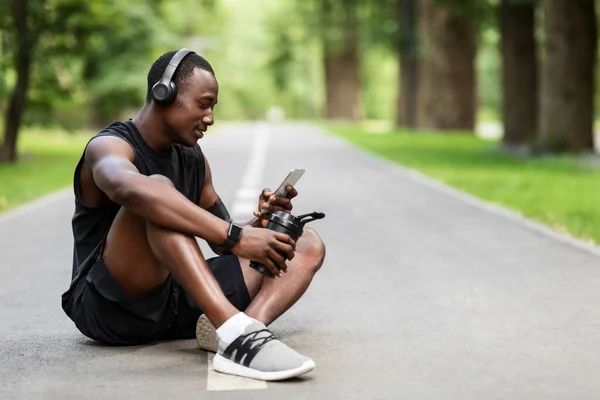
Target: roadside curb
{"points": [[470, 199], [41, 202]]}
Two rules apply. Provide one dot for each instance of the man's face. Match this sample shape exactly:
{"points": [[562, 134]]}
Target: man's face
{"points": [[192, 112]]}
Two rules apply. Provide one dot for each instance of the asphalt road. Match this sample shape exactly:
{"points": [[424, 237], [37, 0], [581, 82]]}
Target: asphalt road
{"points": [[424, 294]]}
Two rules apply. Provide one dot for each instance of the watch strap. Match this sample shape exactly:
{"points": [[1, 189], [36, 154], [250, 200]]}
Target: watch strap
{"points": [[233, 236]]}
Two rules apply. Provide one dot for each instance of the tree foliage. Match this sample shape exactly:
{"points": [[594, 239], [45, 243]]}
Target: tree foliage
{"points": [[89, 59]]}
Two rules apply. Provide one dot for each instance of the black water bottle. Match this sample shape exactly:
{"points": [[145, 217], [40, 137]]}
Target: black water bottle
{"points": [[283, 222]]}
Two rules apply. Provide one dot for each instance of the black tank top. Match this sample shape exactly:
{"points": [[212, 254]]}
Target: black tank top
{"points": [[184, 166]]}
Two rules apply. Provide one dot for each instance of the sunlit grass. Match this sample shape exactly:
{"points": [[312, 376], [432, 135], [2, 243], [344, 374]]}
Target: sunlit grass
{"points": [[562, 192], [47, 159]]}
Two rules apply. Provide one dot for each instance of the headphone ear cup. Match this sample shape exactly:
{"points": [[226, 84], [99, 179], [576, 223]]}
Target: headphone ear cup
{"points": [[172, 93], [160, 92]]}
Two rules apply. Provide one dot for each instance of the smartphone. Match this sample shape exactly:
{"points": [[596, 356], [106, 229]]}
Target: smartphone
{"points": [[291, 179]]}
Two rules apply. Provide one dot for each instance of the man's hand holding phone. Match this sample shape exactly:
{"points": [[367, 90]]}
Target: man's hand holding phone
{"points": [[270, 248], [269, 202], [279, 200]]}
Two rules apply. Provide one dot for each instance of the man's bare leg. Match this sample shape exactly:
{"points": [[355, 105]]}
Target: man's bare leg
{"points": [[139, 255], [272, 297]]}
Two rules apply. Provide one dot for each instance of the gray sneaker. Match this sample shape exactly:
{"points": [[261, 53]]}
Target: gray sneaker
{"points": [[258, 354], [206, 334]]}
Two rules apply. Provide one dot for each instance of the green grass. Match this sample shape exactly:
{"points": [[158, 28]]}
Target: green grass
{"points": [[561, 192], [46, 162]]}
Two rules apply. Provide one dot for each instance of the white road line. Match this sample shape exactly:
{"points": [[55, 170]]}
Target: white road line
{"points": [[246, 201], [242, 209], [247, 195], [220, 382]]}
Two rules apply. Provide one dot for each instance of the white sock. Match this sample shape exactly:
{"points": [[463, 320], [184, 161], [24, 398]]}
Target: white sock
{"points": [[233, 327]]}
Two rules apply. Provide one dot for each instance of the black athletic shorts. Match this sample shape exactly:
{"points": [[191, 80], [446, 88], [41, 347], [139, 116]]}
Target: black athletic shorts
{"points": [[102, 311]]}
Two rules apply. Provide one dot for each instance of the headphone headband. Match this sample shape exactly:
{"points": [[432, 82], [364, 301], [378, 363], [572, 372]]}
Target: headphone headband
{"points": [[173, 64], [164, 91]]}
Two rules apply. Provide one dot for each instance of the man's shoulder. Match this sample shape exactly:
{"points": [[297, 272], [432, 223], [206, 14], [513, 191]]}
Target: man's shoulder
{"points": [[114, 128]]}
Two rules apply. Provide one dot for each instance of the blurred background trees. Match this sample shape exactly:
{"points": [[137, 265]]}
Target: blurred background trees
{"points": [[519, 70], [528, 66]]}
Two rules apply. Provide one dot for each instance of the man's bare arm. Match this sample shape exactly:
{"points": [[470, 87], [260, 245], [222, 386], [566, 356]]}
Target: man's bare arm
{"points": [[111, 161]]}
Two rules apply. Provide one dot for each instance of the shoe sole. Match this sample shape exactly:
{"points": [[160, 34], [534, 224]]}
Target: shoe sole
{"points": [[206, 335], [223, 365]]}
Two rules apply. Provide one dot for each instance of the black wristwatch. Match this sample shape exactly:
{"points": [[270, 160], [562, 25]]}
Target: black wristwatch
{"points": [[233, 236]]}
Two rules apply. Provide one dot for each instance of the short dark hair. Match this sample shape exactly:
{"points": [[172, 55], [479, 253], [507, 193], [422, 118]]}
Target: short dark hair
{"points": [[184, 70]]}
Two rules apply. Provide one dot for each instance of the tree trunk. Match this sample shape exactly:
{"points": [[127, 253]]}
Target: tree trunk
{"points": [[341, 61], [408, 68], [18, 98], [447, 83], [91, 71], [519, 73], [568, 81]]}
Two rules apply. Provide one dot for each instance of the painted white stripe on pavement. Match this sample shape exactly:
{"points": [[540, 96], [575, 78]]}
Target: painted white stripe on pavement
{"points": [[219, 382], [247, 194], [244, 208], [251, 181]]}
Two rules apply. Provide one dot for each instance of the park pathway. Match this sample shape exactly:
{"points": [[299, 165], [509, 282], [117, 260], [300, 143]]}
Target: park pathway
{"points": [[425, 293]]}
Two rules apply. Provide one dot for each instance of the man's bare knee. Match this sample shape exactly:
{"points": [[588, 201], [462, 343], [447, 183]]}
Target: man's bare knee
{"points": [[312, 249], [161, 178], [128, 256]]}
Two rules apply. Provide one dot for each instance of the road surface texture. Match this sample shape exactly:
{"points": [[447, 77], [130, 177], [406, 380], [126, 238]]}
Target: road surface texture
{"points": [[425, 293]]}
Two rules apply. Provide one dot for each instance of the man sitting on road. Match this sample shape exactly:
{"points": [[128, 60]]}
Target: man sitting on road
{"points": [[143, 192]]}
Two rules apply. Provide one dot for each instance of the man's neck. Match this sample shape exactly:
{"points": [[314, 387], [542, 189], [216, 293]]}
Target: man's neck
{"points": [[152, 128]]}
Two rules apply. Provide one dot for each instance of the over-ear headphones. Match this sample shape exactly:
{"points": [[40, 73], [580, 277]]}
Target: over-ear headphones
{"points": [[164, 91]]}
